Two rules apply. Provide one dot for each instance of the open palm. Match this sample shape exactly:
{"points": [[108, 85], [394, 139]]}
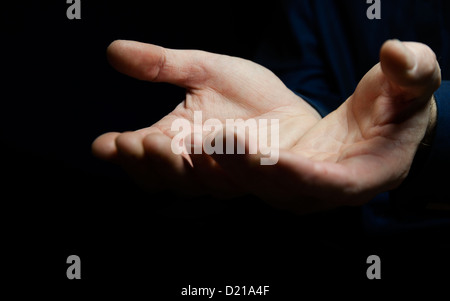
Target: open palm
{"points": [[364, 147]]}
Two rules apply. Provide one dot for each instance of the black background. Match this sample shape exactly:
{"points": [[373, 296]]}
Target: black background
{"points": [[59, 93]]}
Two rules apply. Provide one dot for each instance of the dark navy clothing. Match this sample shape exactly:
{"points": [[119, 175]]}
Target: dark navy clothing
{"points": [[322, 48]]}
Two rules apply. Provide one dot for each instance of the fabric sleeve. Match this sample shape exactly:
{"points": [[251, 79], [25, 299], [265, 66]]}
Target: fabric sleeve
{"points": [[295, 53]]}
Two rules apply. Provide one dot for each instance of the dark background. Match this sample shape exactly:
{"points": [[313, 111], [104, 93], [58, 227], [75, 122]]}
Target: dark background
{"points": [[59, 93]]}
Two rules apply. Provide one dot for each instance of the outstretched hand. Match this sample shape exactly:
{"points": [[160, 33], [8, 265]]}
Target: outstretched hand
{"points": [[364, 147]]}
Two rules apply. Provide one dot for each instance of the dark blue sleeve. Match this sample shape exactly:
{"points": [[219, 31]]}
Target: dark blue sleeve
{"points": [[434, 174], [295, 52], [439, 159]]}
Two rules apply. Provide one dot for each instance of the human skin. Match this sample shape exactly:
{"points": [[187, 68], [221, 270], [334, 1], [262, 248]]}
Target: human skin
{"points": [[364, 147]]}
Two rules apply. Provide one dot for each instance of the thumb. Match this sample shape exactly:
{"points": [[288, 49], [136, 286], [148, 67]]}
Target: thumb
{"points": [[185, 68], [412, 66]]}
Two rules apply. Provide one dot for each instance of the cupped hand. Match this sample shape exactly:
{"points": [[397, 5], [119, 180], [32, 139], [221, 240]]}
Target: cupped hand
{"points": [[364, 147], [218, 86]]}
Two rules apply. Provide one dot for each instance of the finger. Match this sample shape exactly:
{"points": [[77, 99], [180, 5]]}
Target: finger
{"points": [[174, 170], [410, 65], [234, 158], [208, 172], [131, 157], [201, 161], [185, 68], [104, 146], [129, 146]]}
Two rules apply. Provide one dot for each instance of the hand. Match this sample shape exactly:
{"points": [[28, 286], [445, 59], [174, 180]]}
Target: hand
{"points": [[217, 85], [364, 147]]}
